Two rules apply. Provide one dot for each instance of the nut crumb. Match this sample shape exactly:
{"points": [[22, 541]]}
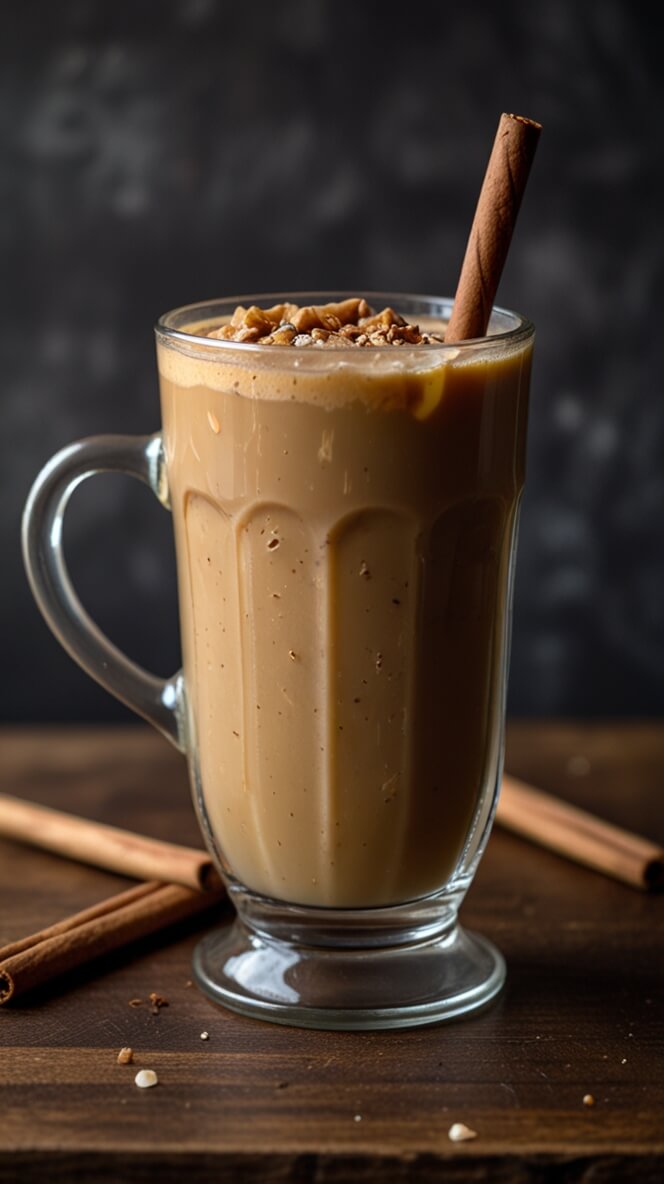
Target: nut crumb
{"points": [[588, 1100], [125, 1056], [460, 1133], [189, 983], [135, 1002], [205, 1035], [157, 1002], [357, 1118], [292, 655], [146, 1078]]}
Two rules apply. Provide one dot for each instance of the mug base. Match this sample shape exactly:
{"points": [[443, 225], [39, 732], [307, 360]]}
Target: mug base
{"points": [[306, 986]]}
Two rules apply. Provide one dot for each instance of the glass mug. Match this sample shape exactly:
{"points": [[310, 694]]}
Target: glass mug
{"points": [[345, 525]]}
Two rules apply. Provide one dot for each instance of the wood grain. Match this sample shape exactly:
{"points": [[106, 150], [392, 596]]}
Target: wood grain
{"points": [[582, 1011]]}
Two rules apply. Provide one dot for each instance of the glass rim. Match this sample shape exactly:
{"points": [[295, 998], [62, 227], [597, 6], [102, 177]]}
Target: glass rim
{"points": [[164, 328]]}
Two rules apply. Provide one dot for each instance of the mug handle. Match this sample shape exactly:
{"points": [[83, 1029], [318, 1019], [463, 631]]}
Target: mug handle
{"points": [[161, 701]]}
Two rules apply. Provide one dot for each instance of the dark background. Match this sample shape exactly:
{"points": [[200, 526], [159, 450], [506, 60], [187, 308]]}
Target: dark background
{"points": [[167, 151]]}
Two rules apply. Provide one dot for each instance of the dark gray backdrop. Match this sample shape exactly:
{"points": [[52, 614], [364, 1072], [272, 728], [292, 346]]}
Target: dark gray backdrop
{"points": [[172, 150]]}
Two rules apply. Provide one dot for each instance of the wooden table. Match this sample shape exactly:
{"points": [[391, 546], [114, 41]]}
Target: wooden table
{"points": [[582, 1012]]}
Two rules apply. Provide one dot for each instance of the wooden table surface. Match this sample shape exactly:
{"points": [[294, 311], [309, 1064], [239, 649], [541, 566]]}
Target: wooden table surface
{"points": [[582, 1011]]}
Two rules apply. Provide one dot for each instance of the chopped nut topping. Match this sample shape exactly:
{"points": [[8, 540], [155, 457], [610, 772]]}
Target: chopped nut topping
{"points": [[588, 1100], [347, 322], [125, 1056]]}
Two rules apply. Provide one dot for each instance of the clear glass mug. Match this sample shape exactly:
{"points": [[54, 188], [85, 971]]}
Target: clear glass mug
{"points": [[345, 525]]}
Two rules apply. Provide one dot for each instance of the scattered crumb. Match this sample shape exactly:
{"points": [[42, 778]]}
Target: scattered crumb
{"points": [[357, 1118], [135, 1002], [292, 655], [205, 1035], [157, 1002], [624, 1061], [588, 1100], [459, 1133], [189, 983], [125, 1056], [146, 1078]]}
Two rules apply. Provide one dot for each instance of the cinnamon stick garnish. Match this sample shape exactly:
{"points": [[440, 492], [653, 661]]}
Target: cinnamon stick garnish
{"points": [[106, 926], [105, 846], [493, 224], [580, 836]]}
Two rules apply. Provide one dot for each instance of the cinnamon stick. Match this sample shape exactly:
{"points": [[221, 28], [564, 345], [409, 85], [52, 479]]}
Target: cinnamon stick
{"points": [[105, 846], [580, 836], [106, 926], [493, 224]]}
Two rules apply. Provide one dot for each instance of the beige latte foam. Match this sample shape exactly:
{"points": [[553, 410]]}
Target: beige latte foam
{"points": [[343, 530]]}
